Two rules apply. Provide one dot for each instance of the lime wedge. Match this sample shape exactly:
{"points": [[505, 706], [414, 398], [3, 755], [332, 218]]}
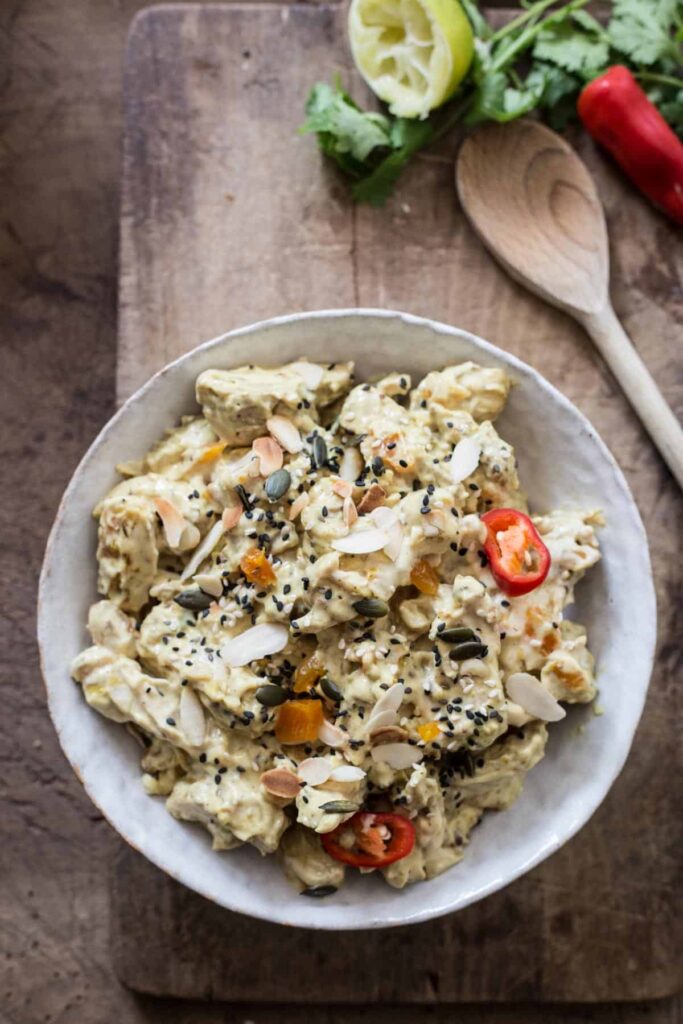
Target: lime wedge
{"points": [[412, 53]]}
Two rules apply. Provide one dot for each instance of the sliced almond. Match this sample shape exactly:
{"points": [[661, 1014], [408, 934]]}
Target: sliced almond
{"points": [[384, 517], [397, 755], [240, 468], [361, 542], [192, 721], [344, 488], [525, 690], [372, 499], [394, 546], [285, 433], [255, 643], [347, 773], [204, 549], [172, 521], [231, 516], [311, 373], [349, 512], [384, 718], [389, 701], [351, 465], [209, 583], [269, 454], [314, 771], [281, 784], [298, 506], [388, 734], [331, 735], [465, 459], [189, 538]]}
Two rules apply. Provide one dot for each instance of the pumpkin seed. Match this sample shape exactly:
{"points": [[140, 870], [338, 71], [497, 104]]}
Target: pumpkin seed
{"points": [[277, 484], [331, 690], [317, 891], [371, 607], [195, 600], [339, 807], [457, 634], [244, 498], [270, 695], [470, 649], [319, 451]]}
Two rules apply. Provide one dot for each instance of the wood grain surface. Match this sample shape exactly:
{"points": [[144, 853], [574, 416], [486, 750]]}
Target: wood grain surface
{"points": [[228, 216]]}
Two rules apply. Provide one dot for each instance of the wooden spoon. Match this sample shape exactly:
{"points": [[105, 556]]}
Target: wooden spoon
{"points": [[535, 206]]}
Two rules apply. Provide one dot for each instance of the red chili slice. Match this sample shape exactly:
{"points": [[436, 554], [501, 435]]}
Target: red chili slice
{"points": [[370, 849], [518, 558]]}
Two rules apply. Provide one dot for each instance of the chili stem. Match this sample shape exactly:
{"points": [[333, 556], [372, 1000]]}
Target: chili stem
{"points": [[651, 76]]}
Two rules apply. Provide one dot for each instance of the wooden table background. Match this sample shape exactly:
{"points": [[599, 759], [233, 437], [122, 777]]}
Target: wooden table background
{"points": [[60, 122]]}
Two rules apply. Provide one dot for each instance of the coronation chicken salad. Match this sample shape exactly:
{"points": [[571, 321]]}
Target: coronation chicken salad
{"points": [[330, 621]]}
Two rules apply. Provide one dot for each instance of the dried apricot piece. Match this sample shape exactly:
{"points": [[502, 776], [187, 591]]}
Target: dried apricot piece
{"points": [[257, 568], [429, 731], [211, 453], [299, 721], [425, 578]]}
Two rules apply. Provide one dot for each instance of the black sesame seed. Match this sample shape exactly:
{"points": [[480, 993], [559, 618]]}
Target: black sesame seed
{"points": [[244, 497]]}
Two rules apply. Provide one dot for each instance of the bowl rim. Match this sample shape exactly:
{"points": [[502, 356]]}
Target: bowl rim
{"points": [[545, 849]]}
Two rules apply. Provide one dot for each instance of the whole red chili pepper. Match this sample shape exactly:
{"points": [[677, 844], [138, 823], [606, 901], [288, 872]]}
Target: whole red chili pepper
{"points": [[618, 114]]}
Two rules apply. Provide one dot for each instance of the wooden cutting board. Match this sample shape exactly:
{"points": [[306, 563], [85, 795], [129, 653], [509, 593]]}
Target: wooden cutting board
{"points": [[229, 216]]}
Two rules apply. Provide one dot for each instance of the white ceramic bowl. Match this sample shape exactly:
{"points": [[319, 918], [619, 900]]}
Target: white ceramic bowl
{"points": [[562, 463]]}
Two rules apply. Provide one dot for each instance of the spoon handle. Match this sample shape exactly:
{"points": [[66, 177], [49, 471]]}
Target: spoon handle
{"points": [[640, 389]]}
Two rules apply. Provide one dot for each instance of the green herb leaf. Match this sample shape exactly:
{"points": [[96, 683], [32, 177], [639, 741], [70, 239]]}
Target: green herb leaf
{"points": [[408, 137], [668, 97], [345, 133], [560, 91], [496, 99], [645, 30], [672, 111], [576, 47]]}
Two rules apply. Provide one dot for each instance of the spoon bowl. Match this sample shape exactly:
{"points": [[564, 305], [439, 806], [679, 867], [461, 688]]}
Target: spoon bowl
{"points": [[536, 208]]}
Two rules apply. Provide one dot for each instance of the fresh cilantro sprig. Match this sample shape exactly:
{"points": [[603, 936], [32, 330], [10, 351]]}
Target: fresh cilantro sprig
{"points": [[371, 148], [538, 61]]}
